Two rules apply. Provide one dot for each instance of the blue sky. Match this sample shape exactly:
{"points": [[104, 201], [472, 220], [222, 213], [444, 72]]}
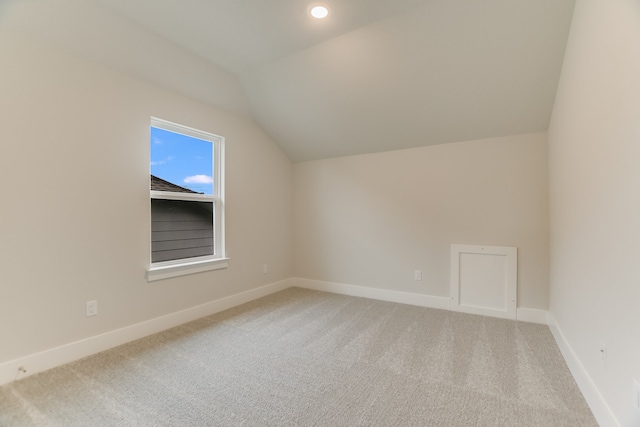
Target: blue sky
{"points": [[182, 160]]}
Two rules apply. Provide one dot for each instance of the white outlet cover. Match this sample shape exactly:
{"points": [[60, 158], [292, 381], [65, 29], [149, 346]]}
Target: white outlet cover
{"points": [[92, 308], [636, 394]]}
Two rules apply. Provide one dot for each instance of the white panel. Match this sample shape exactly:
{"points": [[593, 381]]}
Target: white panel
{"points": [[484, 280]]}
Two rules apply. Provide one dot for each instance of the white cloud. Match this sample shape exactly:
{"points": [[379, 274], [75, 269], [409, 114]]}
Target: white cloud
{"points": [[198, 179], [162, 162]]}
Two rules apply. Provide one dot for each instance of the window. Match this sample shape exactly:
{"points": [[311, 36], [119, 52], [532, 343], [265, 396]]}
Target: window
{"points": [[187, 203]]}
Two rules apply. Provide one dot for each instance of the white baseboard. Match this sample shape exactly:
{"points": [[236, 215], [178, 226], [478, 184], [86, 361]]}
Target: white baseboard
{"points": [[375, 293], [39, 362], [596, 402], [42, 361], [532, 315]]}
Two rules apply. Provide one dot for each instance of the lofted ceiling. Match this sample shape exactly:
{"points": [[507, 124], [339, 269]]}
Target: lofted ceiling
{"points": [[376, 75]]}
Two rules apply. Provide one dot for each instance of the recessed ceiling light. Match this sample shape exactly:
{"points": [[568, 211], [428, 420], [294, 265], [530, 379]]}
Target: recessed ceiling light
{"points": [[319, 11]]}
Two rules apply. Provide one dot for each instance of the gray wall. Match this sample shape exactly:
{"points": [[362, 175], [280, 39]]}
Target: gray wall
{"points": [[371, 220], [594, 152], [75, 165], [181, 229]]}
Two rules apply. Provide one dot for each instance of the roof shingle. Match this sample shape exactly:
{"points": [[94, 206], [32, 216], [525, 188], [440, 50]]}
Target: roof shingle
{"points": [[159, 184]]}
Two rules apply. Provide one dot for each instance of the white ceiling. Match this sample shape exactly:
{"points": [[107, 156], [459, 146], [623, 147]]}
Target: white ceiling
{"points": [[376, 75], [239, 35]]}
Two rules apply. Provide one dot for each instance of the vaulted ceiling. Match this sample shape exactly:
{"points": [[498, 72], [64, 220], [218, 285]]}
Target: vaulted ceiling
{"points": [[375, 75]]}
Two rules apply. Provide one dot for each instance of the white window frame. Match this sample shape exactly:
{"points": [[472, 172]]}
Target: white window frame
{"points": [[180, 267]]}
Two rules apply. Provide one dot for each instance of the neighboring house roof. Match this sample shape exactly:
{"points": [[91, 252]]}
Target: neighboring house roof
{"points": [[159, 184]]}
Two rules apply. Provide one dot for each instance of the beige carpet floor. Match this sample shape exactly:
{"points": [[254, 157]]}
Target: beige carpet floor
{"points": [[306, 358]]}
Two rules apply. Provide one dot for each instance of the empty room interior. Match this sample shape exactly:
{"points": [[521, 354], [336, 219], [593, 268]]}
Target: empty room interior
{"points": [[440, 167]]}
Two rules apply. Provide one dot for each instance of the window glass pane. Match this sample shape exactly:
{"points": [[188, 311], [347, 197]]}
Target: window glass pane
{"points": [[181, 229], [183, 161]]}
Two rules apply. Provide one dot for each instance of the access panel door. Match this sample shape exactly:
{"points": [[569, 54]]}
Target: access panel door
{"points": [[484, 280]]}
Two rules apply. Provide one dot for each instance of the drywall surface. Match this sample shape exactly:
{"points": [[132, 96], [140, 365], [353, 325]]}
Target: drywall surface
{"points": [[594, 141], [75, 215], [97, 32], [371, 220]]}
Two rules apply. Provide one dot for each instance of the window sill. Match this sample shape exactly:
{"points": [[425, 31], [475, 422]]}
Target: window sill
{"points": [[168, 271]]}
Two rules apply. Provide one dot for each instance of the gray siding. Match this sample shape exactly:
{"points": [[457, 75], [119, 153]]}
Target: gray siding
{"points": [[180, 229]]}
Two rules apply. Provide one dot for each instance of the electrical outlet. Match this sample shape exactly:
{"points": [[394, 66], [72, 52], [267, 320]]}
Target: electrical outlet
{"points": [[265, 268], [92, 308], [417, 275], [636, 394]]}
